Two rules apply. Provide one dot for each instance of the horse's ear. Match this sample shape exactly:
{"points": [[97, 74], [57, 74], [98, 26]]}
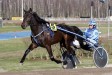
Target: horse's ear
{"points": [[30, 10]]}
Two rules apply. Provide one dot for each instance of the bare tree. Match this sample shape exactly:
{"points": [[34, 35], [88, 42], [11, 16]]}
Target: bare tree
{"points": [[54, 8]]}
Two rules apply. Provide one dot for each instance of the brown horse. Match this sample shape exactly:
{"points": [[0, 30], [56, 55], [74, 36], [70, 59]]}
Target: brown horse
{"points": [[41, 35]]}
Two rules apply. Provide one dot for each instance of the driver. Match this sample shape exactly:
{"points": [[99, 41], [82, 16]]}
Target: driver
{"points": [[92, 33]]}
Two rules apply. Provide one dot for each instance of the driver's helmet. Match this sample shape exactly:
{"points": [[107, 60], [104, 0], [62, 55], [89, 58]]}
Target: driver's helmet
{"points": [[92, 22]]}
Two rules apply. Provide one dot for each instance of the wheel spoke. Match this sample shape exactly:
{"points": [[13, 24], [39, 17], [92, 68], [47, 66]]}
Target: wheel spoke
{"points": [[100, 57]]}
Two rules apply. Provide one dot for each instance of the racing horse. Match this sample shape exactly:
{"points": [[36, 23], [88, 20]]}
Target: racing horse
{"points": [[41, 35]]}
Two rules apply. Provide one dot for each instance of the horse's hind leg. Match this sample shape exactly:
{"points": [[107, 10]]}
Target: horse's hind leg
{"points": [[70, 52], [49, 50], [31, 47]]}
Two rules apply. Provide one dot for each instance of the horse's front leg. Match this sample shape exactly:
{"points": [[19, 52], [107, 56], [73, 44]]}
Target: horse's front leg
{"points": [[31, 47], [49, 50]]}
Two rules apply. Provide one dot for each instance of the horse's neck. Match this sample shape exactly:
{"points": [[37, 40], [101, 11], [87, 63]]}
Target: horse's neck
{"points": [[36, 29]]}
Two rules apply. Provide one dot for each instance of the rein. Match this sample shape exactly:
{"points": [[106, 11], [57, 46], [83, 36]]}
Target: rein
{"points": [[38, 33]]}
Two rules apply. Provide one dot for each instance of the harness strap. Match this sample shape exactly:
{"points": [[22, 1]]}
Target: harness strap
{"points": [[38, 33], [34, 37]]}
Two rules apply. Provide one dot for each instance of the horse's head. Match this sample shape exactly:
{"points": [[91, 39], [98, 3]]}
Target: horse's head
{"points": [[27, 18]]}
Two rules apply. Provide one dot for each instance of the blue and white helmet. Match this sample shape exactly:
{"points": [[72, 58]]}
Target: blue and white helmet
{"points": [[92, 22]]}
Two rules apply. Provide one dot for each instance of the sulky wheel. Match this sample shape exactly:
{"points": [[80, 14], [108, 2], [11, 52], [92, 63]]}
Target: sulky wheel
{"points": [[100, 57]]}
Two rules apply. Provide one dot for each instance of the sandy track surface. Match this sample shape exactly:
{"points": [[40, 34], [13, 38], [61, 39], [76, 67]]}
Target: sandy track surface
{"points": [[83, 71]]}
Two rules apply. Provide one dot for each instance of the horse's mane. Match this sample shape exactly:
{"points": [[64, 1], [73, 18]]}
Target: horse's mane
{"points": [[63, 25], [38, 19]]}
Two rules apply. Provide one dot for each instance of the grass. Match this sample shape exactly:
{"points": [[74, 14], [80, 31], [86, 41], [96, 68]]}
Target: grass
{"points": [[11, 45], [11, 52], [12, 29], [12, 64]]}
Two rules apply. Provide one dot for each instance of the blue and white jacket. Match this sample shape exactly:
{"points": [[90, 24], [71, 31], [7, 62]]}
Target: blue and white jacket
{"points": [[92, 34]]}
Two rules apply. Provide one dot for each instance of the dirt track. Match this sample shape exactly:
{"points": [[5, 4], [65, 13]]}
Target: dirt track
{"points": [[83, 71]]}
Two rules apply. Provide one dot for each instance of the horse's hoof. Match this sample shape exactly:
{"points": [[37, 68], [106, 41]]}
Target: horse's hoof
{"points": [[21, 64], [64, 66], [75, 67]]}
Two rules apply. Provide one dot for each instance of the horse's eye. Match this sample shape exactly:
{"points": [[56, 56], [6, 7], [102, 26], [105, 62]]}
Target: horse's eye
{"points": [[28, 20]]}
